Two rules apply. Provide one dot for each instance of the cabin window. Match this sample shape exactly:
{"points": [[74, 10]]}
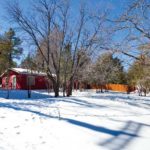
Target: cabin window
{"points": [[6, 81], [30, 80], [14, 82]]}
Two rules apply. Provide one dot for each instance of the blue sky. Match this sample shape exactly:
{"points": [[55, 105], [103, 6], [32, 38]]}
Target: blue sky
{"points": [[116, 7]]}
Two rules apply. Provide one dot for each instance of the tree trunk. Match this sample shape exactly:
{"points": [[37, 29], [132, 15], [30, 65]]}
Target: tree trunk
{"points": [[69, 91], [101, 88], [65, 83], [29, 87], [8, 74], [7, 82], [64, 89], [29, 93], [56, 90], [55, 81], [69, 88]]}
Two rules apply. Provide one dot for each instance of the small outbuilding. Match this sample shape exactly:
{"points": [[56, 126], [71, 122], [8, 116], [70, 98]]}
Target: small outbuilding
{"points": [[23, 79]]}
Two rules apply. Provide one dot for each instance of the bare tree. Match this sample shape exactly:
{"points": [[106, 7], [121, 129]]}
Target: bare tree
{"points": [[87, 40], [39, 25], [51, 27], [134, 26], [135, 23]]}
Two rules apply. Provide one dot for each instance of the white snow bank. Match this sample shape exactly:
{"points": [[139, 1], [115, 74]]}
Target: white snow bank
{"points": [[87, 120]]}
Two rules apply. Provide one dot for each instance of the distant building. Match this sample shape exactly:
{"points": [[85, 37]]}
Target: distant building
{"points": [[23, 79]]}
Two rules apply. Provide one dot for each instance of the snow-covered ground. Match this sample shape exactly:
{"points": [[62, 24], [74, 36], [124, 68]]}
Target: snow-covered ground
{"points": [[85, 121]]}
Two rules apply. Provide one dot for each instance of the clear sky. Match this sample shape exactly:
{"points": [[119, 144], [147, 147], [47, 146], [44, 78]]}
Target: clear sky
{"points": [[116, 7]]}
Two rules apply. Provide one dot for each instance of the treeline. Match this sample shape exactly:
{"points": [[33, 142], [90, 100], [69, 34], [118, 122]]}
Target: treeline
{"points": [[86, 46], [106, 69]]}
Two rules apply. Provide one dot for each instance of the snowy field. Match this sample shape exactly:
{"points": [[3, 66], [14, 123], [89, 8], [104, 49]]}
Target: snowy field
{"points": [[85, 121]]}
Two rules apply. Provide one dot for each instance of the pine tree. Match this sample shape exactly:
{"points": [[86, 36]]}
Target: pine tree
{"points": [[9, 50], [109, 70], [14, 50]]}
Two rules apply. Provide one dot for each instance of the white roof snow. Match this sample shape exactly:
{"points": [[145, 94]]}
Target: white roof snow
{"points": [[27, 71]]}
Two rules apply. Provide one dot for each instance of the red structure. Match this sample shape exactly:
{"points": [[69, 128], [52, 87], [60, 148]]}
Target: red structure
{"points": [[24, 79]]}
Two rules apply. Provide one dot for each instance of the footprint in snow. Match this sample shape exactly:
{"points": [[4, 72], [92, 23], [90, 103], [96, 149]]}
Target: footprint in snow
{"points": [[18, 133], [2, 117], [17, 126], [1, 133], [43, 142]]}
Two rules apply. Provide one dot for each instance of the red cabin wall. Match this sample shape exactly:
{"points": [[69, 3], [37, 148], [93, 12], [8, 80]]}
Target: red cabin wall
{"points": [[11, 74], [21, 81], [40, 82]]}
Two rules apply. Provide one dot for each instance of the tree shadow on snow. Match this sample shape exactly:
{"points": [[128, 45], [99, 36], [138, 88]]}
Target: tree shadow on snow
{"points": [[80, 102], [42, 96], [119, 95], [121, 141], [119, 138], [23, 94], [143, 102], [17, 107]]}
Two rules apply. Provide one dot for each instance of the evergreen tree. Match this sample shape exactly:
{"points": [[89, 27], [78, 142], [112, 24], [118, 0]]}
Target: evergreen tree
{"points": [[109, 70], [9, 49], [139, 74], [3, 55], [135, 73], [14, 50]]}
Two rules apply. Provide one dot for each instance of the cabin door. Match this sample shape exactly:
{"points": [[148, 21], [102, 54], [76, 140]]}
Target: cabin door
{"points": [[14, 82]]}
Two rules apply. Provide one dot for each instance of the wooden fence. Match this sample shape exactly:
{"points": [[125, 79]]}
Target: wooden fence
{"points": [[115, 87]]}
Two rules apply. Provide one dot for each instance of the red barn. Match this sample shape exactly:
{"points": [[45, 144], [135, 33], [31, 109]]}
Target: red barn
{"points": [[24, 79]]}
